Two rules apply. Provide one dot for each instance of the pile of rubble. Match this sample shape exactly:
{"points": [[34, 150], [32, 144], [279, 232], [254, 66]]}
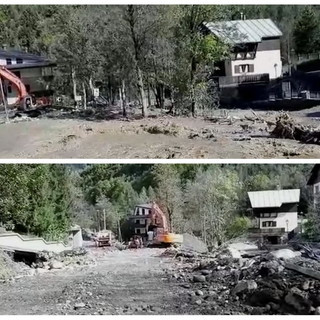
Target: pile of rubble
{"points": [[220, 283], [66, 260]]}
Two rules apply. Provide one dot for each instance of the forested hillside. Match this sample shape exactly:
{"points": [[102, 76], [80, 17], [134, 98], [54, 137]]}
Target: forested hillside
{"points": [[131, 50], [209, 200]]}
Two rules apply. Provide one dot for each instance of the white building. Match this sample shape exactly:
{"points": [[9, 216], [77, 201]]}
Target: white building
{"points": [[275, 211], [256, 54], [35, 72]]}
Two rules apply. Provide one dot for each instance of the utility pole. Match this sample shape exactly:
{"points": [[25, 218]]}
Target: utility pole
{"points": [[4, 100]]}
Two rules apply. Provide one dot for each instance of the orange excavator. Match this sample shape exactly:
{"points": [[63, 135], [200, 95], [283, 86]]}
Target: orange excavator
{"points": [[158, 229], [24, 100]]}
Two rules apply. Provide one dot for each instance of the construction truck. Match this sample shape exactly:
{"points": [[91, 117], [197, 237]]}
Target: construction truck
{"points": [[103, 238]]}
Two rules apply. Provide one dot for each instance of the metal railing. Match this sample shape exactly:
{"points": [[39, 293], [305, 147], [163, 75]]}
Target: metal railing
{"points": [[236, 80], [267, 230]]}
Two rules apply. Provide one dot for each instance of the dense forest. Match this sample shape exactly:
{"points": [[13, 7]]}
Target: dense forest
{"points": [[209, 200], [132, 50]]}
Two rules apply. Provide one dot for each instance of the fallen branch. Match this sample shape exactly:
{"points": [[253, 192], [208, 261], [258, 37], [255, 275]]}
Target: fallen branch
{"points": [[305, 271]]}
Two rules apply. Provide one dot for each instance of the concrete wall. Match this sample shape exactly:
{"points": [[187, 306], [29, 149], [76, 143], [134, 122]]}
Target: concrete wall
{"points": [[281, 219], [264, 62], [15, 241]]}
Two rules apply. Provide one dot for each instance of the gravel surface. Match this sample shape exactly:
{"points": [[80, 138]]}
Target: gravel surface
{"points": [[72, 136]]}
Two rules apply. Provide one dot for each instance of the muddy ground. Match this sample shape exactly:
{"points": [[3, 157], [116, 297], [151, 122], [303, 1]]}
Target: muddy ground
{"points": [[96, 134], [122, 282]]}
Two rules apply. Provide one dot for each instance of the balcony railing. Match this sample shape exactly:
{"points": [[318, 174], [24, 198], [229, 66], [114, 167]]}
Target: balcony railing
{"points": [[273, 231], [237, 80]]}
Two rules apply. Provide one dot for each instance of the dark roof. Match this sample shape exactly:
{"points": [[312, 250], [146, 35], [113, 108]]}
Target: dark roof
{"points": [[314, 174], [30, 65], [21, 54], [244, 31]]}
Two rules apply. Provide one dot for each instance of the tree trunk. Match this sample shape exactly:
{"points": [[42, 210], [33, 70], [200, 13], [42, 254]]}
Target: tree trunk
{"points": [[91, 86], [84, 96], [137, 53], [192, 90], [149, 94], [74, 85], [123, 97], [141, 91]]}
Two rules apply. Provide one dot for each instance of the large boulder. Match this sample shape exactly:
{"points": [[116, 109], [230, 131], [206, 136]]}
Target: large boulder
{"points": [[245, 286], [56, 264], [298, 300], [286, 254]]}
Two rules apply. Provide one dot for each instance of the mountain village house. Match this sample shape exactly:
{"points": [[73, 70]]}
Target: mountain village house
{"points": [[36, 73], [255, 60], [276, 214]]}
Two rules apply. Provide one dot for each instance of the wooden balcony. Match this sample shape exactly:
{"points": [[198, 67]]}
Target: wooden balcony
{"points": [[233, 81]]}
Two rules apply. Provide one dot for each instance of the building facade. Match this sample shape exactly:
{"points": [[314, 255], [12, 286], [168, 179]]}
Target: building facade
{"points": [[255, 46], [275, 213], [34, 71]]}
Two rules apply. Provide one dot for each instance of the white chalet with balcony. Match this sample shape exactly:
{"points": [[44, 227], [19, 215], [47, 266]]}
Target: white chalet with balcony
{"points": [[276, 213], [256, 55]]}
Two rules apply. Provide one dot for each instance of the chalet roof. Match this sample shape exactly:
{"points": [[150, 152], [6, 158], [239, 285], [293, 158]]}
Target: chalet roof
{"points": [[244, 31], [39, 64], [14, 54], [273, 198], [147, 205], [314, 174]]}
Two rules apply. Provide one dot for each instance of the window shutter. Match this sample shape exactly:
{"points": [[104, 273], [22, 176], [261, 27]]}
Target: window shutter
{"points": [[251, 68], [236, 69]]}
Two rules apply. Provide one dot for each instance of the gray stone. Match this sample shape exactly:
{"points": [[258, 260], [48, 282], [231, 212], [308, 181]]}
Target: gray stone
{"points": [[199, 278], [56, 265], [205, 272], [79, 305], [199, 293], [245, 286], [198, 302], [317, 311]]}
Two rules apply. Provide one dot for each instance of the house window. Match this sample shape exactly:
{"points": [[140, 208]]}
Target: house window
{"points": [[244, 68], [268, 215], [9, 89], [316, 189], [137, 221], [268, 224], [149, 211], [143, 212], [138, 231], [19, 61], [27, 88], [9, 61]]}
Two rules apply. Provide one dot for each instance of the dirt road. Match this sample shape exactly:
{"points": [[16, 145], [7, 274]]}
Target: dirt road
{"points": [[54, 138], [122, 282]]}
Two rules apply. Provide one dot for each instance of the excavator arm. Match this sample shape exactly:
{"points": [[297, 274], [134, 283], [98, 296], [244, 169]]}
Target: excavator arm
{"points": [[23, 100]]}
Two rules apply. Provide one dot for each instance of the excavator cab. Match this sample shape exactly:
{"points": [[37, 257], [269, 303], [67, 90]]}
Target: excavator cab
{"points": [[26, 103]]}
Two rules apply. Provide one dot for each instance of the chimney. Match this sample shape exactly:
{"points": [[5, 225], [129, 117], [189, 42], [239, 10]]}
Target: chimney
{"points": [[278, 187], [241, 15], [4, 47]]}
